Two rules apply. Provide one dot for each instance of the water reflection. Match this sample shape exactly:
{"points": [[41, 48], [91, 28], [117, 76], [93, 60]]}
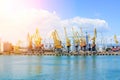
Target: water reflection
{"points": [[33, 65], [59, 68]]}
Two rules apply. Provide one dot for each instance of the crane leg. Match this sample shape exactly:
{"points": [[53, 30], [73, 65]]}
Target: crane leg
{"points": [[68, 49], [76, 47]]}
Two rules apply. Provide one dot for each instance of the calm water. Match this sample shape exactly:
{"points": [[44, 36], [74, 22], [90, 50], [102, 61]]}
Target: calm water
{"points": [[59, 68]]}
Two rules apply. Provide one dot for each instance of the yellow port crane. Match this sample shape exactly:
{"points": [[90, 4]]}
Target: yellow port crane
{"points": [[37, 39], [94, 39], [82, 39], [17, 46], [76, 39], [29, 38], [95, 36], [115, 39], [56, 39], [68, 44]]}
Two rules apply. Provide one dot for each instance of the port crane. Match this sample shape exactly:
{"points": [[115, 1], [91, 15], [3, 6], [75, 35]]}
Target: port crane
{"points": [[18, 46], [57, 41], [94, 40], [115, 39], [68, 44], [75, 39], [37, 41], [29, 38], [82, 41]]}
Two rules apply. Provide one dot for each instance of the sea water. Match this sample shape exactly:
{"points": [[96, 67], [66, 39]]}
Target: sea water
{"points": [[59, 67]]}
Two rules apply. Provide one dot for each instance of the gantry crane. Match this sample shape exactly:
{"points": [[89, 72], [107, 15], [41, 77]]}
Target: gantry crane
{"points": [[76, 39], [57, 41], [30, 43], [115, 39], [94, 40], [68, 44], [37, 41], [18, 46], [82, 41]]}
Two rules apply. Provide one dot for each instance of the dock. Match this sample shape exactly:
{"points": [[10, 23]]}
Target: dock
{"points": [[82, 53]]}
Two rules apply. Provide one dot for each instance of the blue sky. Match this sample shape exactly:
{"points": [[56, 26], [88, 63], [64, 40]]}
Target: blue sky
{"points": [[21, 16], [101, 9]]}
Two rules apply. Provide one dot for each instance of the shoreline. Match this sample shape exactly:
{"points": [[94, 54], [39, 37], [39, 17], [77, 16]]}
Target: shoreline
{"points": [[81, 53]]}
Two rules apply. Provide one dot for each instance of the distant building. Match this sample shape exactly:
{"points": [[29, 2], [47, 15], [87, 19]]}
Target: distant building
{"points": [[7, 47], [1, 45]]}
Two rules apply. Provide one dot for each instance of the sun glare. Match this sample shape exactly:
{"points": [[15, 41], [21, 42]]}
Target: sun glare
{"points": [[10, 20], [6, 5]]}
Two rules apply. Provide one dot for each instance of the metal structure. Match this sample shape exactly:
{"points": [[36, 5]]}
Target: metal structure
{"points": [[57, 41], [30, 43], [115, 39], [94, 40], [68, 44], [76, 40], [82, 41], [35, 42]]}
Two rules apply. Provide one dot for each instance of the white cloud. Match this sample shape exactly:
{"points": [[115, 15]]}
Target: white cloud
{"points": [[16, 25], [86, 23]]}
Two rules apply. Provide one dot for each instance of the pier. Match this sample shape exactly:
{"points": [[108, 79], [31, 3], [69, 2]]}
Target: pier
{"points": [[87, 53]]}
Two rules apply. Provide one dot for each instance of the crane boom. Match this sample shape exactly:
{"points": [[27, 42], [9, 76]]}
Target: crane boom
{"points": [[29, 41], [82, 39], [37, 39], [75, 37], [56, 39], [115, 39], [95, 36]]}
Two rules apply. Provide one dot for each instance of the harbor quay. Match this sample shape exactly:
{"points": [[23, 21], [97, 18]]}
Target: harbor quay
{"points": [[81, 53]]}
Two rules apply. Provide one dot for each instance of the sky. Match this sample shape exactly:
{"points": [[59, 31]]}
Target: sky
{"points": [[18, 17]]}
